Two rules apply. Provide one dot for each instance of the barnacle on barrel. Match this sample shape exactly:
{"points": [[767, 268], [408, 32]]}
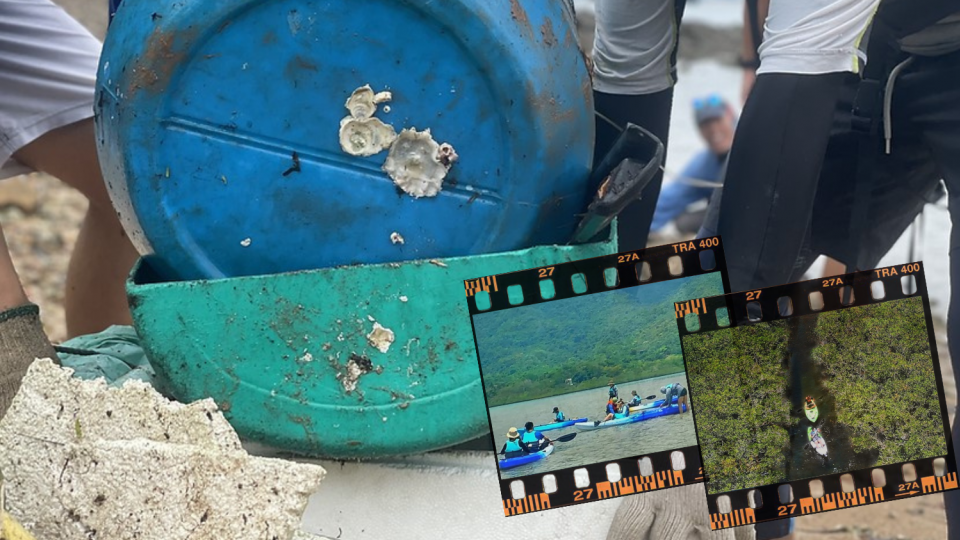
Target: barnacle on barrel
{"points": [[365, 137], [363, 103], [414, 163]]}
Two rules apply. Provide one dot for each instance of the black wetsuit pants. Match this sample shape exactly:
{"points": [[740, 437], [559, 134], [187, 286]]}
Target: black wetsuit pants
{"points": [[789, 182]]}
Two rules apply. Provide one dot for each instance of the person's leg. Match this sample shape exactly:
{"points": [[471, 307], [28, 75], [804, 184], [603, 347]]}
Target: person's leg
{"points": [[833, 268], [21, 335], [95, 294], [772, 175], [11, 292], [48, 73], [933, 101], [634, 55]]}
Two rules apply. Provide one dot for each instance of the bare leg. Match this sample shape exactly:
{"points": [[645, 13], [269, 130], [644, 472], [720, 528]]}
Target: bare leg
{"points": [[833, 268], [11, 292], [95, 295]]}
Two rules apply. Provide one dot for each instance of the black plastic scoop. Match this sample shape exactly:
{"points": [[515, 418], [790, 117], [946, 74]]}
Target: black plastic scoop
{"points": [[625, 171]]}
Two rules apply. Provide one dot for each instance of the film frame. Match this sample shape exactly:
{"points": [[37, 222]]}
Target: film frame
{"points": [[636, 474], [838, 490]]}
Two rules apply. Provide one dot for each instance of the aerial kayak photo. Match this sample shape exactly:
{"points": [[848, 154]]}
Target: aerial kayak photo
{"points": [[813, 395], [569, 384]]}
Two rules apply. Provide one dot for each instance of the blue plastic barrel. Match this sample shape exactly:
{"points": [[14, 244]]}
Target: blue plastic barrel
{"points": [[218, 126]]}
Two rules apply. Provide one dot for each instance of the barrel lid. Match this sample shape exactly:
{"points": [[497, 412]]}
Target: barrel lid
{"points": [[229, 147]]}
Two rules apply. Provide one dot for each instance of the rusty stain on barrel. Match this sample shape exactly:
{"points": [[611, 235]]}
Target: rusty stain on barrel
{"points": [[158, 62], [546, 30], [520, 15]]}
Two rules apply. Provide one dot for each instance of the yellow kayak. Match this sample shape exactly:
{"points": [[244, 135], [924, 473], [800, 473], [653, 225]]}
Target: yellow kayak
{"points": [[810, 408]]}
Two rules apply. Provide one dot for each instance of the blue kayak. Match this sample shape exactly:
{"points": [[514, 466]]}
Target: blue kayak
{"points": [[650, 405], [645, 414], [558, 425], [509, 463]]}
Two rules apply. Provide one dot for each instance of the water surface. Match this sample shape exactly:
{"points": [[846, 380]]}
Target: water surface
{"points": [[608, 444]]}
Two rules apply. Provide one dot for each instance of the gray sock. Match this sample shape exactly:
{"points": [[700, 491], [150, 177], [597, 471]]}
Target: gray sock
{"points": [[22, 340]]}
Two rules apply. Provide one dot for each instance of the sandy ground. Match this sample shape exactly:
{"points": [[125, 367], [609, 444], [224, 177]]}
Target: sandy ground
{"points": [[41, 217]]}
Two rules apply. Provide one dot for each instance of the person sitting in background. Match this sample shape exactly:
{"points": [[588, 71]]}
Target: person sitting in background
{"points": [[533, 440], [513, 447], [635, 400], [559, 414], [716, 123]]}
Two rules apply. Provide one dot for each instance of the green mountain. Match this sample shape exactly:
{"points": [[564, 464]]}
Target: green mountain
{"points": [[530, 352]]}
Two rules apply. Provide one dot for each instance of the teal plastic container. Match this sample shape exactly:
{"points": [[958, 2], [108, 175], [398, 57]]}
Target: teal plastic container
{"points": [[354, 362]]}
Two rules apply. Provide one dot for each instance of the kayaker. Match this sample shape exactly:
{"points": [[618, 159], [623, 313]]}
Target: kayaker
{"points": [[513, 447], [681, 394], [635, 400], [623, 410], [611, 412], [559, 414], [618, 409], [613, 391], [667, 392], [533, 440]]}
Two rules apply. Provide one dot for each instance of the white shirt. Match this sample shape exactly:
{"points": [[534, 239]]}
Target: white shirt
{"points": [[815, 36]]}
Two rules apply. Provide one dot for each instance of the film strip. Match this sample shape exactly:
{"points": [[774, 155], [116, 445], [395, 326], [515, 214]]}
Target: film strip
{"points": [[845, 400], [553, 336]]}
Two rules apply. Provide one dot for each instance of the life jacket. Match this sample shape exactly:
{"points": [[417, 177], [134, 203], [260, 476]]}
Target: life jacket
{"points": [[513, 446], [529, 438], [611, 409], [560, 416]]}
